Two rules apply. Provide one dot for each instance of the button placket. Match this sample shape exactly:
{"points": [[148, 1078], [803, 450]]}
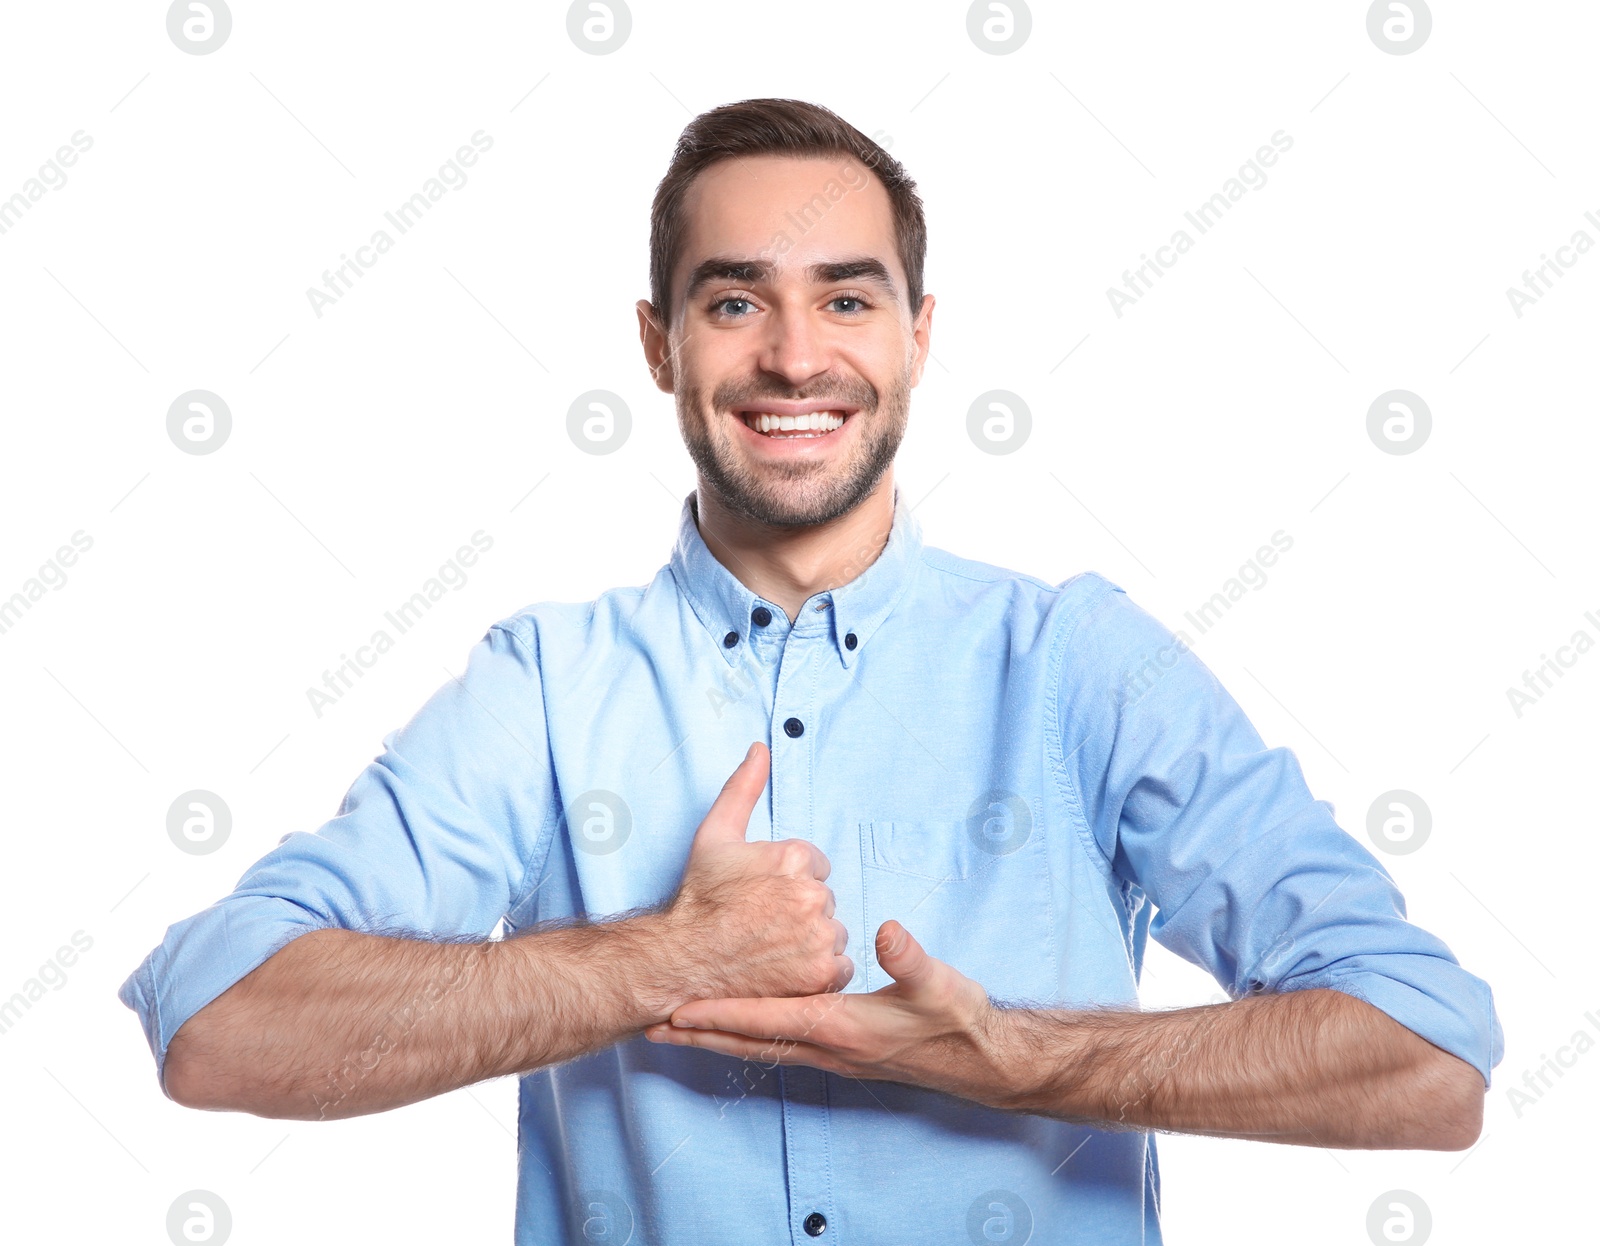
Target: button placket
{"points": [[804, 1090], [805, 1127], [793, 701]]}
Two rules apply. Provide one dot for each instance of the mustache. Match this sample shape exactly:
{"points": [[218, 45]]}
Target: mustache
{"points": [[863, 396]]}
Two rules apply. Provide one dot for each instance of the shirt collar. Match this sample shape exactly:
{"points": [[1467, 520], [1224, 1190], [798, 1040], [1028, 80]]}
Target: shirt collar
{"points": [[851, 613]]}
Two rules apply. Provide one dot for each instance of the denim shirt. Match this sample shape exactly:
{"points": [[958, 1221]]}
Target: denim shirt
{"points": [[1033, 778]]}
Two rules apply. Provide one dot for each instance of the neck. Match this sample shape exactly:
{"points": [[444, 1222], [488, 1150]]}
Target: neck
{"points": [[787, 565]]}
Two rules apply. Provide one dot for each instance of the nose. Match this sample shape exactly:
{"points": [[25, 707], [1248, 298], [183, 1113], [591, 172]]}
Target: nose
{"points": [[794, 346]]}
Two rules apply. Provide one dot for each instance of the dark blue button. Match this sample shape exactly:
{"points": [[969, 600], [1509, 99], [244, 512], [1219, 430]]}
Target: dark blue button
{"points": [[849, 640], [794, 728], [816, 1224], [761, 616], [730, 640]]}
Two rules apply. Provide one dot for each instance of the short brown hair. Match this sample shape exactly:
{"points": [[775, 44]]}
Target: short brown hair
{"points": [[764, 127]]}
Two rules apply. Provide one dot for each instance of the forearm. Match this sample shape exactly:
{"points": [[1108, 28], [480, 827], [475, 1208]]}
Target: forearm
{"points": [[1314, 1067], [339, 1023]]}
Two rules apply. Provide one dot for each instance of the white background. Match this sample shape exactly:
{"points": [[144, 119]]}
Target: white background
{"points": [[369, 443]]}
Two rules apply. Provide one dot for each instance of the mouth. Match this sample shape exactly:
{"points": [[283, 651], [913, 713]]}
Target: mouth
{"points": [[795, 425]]}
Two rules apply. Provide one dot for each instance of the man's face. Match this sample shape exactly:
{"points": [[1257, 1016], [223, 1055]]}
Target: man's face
{"points": [[789, 306]]}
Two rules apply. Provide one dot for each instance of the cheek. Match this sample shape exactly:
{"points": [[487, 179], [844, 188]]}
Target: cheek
{"points": [[701, 367], [882, 358]]}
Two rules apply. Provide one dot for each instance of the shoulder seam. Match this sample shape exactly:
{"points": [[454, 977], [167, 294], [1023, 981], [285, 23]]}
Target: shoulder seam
{"points": [[537, 860], [529, 612], [1056, 743]]}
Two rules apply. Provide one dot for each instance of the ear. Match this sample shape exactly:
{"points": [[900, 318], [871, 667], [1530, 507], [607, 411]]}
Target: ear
{"points": [[657, 351], [921, 333]]}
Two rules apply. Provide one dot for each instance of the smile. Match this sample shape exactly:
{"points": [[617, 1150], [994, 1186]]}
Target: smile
{"points": [[809, 424]]}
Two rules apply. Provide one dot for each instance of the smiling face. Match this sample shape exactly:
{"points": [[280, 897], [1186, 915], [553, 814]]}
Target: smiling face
{"points": [[792, 353]]}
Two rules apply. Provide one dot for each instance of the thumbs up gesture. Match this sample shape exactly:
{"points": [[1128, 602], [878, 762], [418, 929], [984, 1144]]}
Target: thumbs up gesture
{"points": [[755, 919]]}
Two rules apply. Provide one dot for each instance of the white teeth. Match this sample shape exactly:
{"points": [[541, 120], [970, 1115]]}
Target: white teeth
{"points": [[810, 422]]}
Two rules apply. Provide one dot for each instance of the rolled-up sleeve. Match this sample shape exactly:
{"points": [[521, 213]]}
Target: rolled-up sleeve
{"points": [[437, 837], [1250, 877]]}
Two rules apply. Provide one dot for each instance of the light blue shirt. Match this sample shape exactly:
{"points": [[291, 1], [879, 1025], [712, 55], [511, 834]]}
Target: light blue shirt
{"points": [[1033, 778]]}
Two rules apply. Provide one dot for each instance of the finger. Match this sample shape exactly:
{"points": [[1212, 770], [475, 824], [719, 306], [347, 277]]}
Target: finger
{"points": [[729, 815], [841, 936], [844, 970], [903, 958], [827, 909], [804, 1018], [762, 1051], [816, 865], [754, 1018]]}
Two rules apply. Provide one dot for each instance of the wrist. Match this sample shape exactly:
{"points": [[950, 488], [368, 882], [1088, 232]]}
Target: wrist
{"points": [[1019, 1050], [656, 979], [567, 989], [1000, 1053]]}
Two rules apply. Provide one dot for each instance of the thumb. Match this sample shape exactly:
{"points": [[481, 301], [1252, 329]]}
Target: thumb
{"points": [[902, 957], [729, 815]]}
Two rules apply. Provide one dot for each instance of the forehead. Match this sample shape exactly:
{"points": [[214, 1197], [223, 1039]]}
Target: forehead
{"points": [[787, 210]]}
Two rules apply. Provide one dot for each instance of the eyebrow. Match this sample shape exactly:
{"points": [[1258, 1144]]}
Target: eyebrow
{"points": [[865, 270]]}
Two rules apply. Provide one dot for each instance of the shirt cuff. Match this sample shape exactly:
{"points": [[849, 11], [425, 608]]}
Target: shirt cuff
{"points": [[202, 956], [1456, 1015]]}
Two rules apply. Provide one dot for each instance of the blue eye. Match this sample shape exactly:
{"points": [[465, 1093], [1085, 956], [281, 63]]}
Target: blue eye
{"points": [[860, 306]]}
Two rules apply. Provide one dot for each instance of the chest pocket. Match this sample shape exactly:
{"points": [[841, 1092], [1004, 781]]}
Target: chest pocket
{"points": [[974, 892]]}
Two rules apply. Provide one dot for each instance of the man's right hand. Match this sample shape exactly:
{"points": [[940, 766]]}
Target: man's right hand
{"points": [[755, 919]]}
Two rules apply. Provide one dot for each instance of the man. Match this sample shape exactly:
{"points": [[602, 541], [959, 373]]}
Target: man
{"points": [[1003, 786]]}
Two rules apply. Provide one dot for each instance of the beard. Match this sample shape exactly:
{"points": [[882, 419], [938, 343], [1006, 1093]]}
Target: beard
{"points": [[797, 494]]}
